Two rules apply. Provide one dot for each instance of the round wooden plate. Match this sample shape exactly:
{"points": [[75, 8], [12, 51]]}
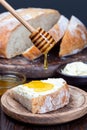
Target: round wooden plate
{"points": [[74, 110]]}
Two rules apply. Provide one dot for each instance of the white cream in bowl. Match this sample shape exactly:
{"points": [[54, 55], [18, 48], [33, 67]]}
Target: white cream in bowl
{"points": [[75, 68]]}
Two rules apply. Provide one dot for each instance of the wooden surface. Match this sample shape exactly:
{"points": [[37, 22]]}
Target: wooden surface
{"points": [[35, 69], [74, 110], [7, 123]]}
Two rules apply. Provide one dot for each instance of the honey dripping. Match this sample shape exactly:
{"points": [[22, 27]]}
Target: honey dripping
{"points": [[45, 61]]}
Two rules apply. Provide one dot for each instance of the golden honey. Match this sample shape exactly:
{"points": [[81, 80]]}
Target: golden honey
{"points": [[4, 85], [9, 80], [45, 61], [39, 86]]}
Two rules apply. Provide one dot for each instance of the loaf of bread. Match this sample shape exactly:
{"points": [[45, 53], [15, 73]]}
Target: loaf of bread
{"points": [[42, 96], [59, 29], [57, 32], [14, 37], [3, 15], [75, 38]]}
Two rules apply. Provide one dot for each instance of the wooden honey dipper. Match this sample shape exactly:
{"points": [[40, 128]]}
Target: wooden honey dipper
{"points": [[40, 38]]}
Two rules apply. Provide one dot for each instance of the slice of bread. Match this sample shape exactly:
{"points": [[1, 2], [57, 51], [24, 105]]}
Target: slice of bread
{"points": [[57, 32], [14, 37], [59, 29], [32, 53], [45, 100], [75, 38]]}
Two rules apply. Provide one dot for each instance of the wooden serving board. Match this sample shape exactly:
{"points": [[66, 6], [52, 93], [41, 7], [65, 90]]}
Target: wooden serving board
{"points": [[35, 69], [76, 108]]}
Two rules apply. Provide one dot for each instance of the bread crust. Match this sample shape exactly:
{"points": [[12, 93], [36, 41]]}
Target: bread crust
{"points": [[51, 101], [75, 38], [57, 32], [59, 29], [32, 53], [45, 103], [8, 24]]}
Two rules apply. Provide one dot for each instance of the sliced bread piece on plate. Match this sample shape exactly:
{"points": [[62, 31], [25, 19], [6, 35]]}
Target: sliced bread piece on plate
{"points": [[41, 96]]}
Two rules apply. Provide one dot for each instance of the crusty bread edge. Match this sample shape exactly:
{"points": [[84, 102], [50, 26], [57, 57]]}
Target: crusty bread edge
{"points": [[32, 53], [57, 99], [56, 32], [73, 41]]}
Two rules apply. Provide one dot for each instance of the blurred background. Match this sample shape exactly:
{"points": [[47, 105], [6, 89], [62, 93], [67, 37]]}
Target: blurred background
{"points": [[77, 8]]}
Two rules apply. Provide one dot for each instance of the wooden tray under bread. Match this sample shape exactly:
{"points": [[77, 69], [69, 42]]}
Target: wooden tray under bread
{"points": [[35, 69], [76, 108]]}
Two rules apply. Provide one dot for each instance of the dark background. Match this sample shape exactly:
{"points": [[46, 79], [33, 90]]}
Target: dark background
{"points": [[65, 7]]}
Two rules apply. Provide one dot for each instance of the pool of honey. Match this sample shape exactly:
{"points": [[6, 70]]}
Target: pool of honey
{"points": [[7, 82]]}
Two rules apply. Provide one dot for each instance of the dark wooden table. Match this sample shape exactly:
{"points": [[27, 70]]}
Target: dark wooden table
{"points": [[7, 123]]}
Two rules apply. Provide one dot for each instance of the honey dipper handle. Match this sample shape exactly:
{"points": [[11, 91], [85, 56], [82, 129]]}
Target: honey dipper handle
{"points": [[19, 18]]}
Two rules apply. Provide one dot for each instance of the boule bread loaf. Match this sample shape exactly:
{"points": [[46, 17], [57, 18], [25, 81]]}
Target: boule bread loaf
{"points": [[32, 53], [45, 100], [14, 37], [3, 15], [75, 38], [59, 29], [57, 32]]}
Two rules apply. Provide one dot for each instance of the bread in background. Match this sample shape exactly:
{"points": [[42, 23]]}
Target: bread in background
{"points": [[14, 37], [32, 53], [57, 32], [59, 29], [75, 38]]}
